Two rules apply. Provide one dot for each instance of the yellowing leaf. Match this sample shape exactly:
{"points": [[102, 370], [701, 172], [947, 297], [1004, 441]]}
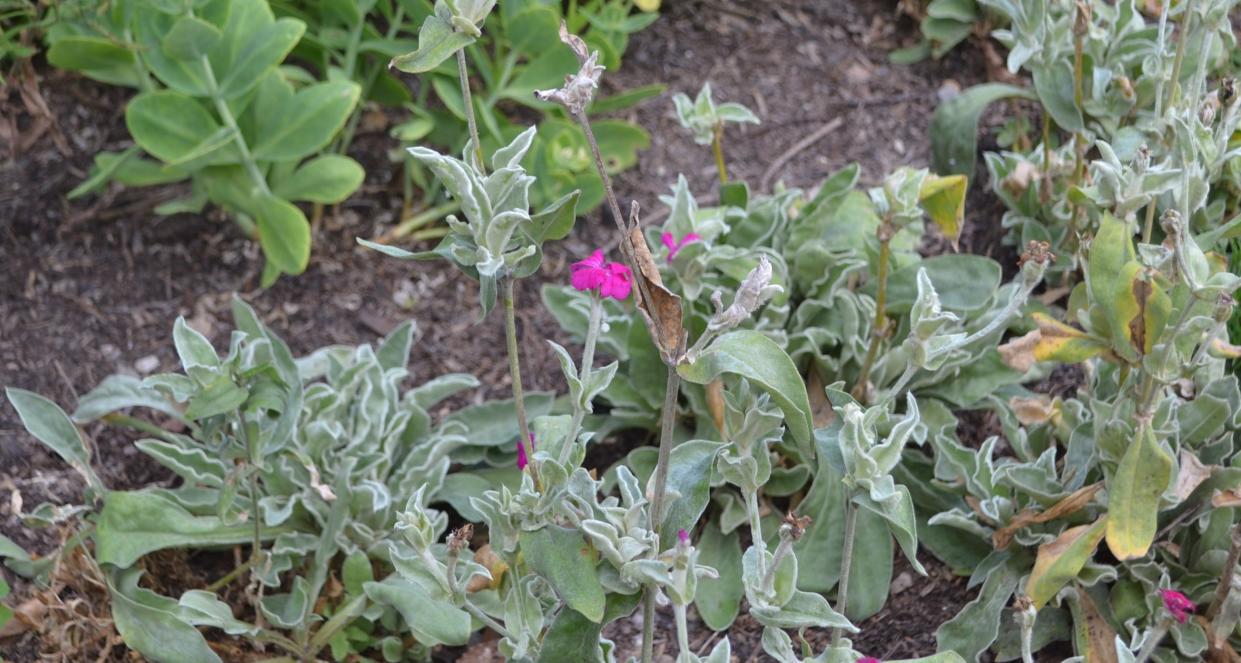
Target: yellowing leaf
{"points": [[1133, 496], [1061, 560], [1094, 637], [943, 199], [647, 5], [1057, 341]]}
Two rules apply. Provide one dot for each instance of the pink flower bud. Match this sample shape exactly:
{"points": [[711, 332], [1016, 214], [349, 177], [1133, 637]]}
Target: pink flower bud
{"points": [[1177, 604], [683, 536], [522, 459]]}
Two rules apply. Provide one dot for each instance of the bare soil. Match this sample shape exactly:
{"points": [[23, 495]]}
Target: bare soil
{"points": [[91, 287]]}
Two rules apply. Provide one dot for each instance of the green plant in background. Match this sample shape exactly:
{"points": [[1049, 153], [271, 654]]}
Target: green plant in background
{"points": [[216, 107], [1133, 93], [705, 120], [513, 52]]}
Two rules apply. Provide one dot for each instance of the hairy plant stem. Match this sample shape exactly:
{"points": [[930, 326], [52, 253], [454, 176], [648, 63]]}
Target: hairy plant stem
{"points": [[1224, 588], [671, 391], [717, 146], [1079, 140], [230, 576], [1174, 84], [682, 629], [756, 527], [463, 77], [514, 361], [588, 360], [846, 564], [641, 295], [667, 421], [879, 329], [256, 548], [648, 625]]}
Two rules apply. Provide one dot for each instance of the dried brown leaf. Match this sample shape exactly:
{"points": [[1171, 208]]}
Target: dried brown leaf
{"points": [[1191, 475], [1070, 504], [661, 310], [1018, 353]]}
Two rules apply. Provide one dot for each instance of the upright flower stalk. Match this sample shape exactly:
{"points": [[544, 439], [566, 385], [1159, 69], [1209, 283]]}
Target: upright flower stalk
{"points": [[514, 359], [575, 96]]}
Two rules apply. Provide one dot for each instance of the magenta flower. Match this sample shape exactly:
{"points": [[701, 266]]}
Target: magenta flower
{"points": [[522, 459], [683, 536], [1178, 604], [674, 245], [869, 659], [608, 279]]}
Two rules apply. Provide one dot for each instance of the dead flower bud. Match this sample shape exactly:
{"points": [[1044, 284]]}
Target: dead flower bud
{"points": [[754, 291], [1082, 18], [1142, 159], [1172, 223], [794, 526], [579, 88], [1227, 91], [1206, 112], [1034, 260], [460, 538]]}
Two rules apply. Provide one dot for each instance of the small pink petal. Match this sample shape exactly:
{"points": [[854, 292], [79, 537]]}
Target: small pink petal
{"points": [[589, 273], [617, 284], [522, 460], [682, 536], [868, 659], [692, 237], [669, 241]]}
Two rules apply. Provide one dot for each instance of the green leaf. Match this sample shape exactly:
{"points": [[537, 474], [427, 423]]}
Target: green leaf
{"points": [[134, 523], [437, 41], [97, 57], [1133, 496], [258, 54], [221, 396], [567, 562], [51, 426], [119, 392], [431, 619], [965, 283], [169, 125], [326, 179], [1054, 86], [764, 363], [308, 122], [534, 29], [556, 220], [719, 600], [192, 347], [954, 126], [284, 234], [1060, 561], [689, 484], [943, 199], [972, 631], [149, 623], [190, 38]]}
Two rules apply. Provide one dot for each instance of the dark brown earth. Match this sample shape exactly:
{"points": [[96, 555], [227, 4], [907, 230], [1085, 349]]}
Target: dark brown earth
{"points": [[90, 287]]}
